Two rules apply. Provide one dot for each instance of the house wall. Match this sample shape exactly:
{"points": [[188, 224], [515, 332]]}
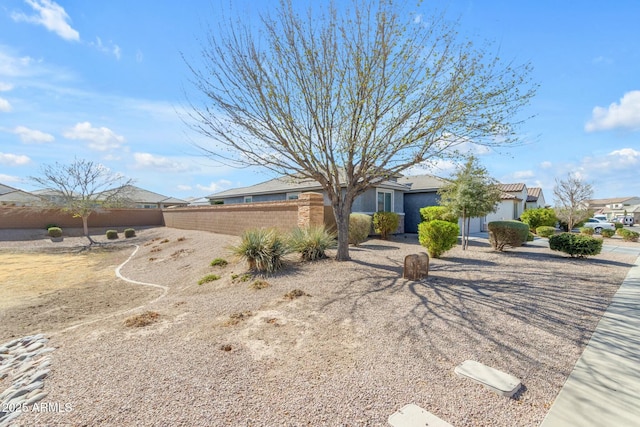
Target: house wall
{"points": [[504, 212], [235, 218], [32, 217]]}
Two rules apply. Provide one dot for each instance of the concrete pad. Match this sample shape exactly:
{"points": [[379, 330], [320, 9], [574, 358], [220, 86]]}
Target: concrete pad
{"points": [[414, 416], [493, 379]]}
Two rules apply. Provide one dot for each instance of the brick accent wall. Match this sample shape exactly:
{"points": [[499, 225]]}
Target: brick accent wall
{"points": [[235, 218], [30, 217]]}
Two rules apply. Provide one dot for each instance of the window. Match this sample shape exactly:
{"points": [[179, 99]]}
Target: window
{"points": [[248, 199], [293, 196], [385, 200]]}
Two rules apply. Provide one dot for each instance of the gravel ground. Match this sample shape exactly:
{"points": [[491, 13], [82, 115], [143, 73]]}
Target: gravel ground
{"points": [[363, 343]]}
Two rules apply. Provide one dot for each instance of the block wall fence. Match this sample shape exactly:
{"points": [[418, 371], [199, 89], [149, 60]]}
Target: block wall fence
{"points": [[34, 218], [235, 218]]}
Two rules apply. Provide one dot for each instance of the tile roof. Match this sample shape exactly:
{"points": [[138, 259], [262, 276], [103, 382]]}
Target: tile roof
{"points": [[425, 182], [534, 191], [512, 188], [598, 202], [6, 189]]}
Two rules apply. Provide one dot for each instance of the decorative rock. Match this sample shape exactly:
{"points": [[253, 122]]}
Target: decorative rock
{"points": [[36, 345], [414, 416], [36, 398], [416, 266], [39, 375]]}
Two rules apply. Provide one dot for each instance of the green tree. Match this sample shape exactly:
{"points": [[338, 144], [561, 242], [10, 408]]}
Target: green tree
{"points": [[472, 193], [82, 188], [539, 217], [349, 94], [572, 197]]}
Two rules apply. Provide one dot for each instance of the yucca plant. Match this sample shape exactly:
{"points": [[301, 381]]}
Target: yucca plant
{"points": [[262, 248], [311, 242]]}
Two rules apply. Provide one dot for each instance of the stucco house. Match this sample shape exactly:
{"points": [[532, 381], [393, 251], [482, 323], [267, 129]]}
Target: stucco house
{"points": [[421, 191], [616, 207], [10, 196], [535, 198], [145, 199], [387, 195]]}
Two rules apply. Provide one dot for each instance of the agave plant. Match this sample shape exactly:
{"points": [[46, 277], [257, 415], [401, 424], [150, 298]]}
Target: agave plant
{"points": [[262, 248], [312, 242]]}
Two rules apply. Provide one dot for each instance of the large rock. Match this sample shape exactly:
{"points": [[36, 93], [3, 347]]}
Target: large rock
{"points": [[416, 266]]}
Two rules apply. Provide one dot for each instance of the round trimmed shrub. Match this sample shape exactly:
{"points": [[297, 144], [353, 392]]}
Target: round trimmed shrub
{"points": [[48, 226], [112, 234], [129, 232], [587, 230], [607, 233], [385, 223], [539, 217], [431, 213], [311, 242], [629, 236], [359, 228], [507, 233], [438, 236], [263, 248], [545, 231], [54, 232], [576, 245], [620, 231], [618, 225]]}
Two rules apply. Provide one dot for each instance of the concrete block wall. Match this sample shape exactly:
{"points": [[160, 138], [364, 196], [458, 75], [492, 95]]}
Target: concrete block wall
{"points": [[33, 218]]}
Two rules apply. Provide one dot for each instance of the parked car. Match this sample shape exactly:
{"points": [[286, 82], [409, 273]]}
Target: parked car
{"points": [[598, 225], [601, 217]]}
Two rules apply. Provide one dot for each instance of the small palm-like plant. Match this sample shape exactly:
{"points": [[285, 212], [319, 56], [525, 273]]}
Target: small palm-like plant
{"points": [[312, 242], [264, 249]]}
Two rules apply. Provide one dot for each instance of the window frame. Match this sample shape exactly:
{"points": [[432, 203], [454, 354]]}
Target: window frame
{"points": [[247, 199], [380, 191]]}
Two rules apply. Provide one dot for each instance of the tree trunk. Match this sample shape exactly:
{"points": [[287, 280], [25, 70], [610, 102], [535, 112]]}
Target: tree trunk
{"points": [[466, 245], [463, 234], [342, 211], [85, 224]]}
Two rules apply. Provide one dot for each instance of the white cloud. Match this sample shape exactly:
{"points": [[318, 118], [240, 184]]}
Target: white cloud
{"points": [[213, 187], [5, 87], [100, 139], [9, 178], [50, 15], [184, 187], [31, 135], [110, 47], [523, 174], [625, 115], [150, 161], [546, 165], [13, 159], [5, 106]]}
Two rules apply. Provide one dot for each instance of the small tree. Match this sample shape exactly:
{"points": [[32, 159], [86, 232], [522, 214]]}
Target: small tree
{"points": [[472, 193], [572, 198], [539, 217], [82, 188]]}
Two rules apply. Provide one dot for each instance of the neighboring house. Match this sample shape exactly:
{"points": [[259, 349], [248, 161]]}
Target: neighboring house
{"points": [[616, 207], [422, 190], [198, 201], [387, 195], [145, 199], [535, 198], [10, 196]]}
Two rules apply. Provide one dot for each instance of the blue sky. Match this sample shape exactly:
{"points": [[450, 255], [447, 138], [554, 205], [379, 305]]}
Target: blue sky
{"points": [[104, 80]]}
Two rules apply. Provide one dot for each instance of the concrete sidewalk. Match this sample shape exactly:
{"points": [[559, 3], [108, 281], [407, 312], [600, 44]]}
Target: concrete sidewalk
{"points": [[604, 387]]}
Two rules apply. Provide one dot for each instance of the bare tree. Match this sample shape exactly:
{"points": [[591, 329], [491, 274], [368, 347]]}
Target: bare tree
{"points": [[471, 193], [349, 97], [82, 188], [572, 200]]}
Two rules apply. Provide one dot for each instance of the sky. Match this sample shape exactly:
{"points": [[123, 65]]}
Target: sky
{"points": [[106, 81]]}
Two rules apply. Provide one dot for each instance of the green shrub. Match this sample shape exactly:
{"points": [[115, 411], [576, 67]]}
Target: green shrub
{"points": [[385, 223], [620, 231], [129, 232], [48, 226], [262, 248], [607, 233], [545, 231], [530, 237], [539, 217], [576, 245], [219, 262], [112, 234], [618, 225], [431, 213], [629, 236], [359, 228], [507, 233], [587, 230], [438, 236], [54, 232], [311, 242], [208, 278]]}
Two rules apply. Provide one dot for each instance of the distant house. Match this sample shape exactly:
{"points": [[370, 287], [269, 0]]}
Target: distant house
{"points": [[145, 199], [386, 195], [198, 201], [535, 198], [616, 207], [10, 196]]}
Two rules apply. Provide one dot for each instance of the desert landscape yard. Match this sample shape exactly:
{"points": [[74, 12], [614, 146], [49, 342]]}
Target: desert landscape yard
{"points": [[323, 343]]}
